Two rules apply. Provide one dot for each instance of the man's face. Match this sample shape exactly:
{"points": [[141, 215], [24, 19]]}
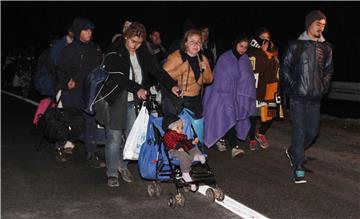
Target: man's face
{"points": [[316, 28], [155, 38], [133, 43], [85, 35], [205, 34]]}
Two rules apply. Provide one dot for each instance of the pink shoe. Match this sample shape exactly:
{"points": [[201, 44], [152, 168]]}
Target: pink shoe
{"points": [[264, 143], [253, 145]]}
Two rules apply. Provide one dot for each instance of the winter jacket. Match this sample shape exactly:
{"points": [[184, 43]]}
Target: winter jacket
{"points": [[76, 61], [209, 49], [181, 71], [118, 85], [175, 141], [307, 68]]}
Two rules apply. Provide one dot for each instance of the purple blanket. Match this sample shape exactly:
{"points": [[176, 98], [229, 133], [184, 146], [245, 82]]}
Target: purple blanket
{"points": [[230, 100]]}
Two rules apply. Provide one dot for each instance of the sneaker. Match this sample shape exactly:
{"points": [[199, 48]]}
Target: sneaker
{"points": [[69, 144], [289, 156], [253, 145], [299, 175], [60, 156], [94, 161], [200, 157], [221, 145], [113, 181], [236, 151], [264, 143], [126, 175], [68, 150], [68, 147]]}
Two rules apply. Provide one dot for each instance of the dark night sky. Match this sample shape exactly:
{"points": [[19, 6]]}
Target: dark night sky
{"points": [[35, 22]]}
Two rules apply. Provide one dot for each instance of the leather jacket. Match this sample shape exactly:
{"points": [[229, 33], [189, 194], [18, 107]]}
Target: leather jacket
{"points": [[306, 69]]}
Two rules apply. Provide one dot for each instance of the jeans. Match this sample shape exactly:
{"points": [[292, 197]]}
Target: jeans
{"points": [[89, 136], [305, 116], [115, 142]]}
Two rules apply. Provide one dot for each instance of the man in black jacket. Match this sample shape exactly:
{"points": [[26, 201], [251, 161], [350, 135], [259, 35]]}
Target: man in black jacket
{"points": [[130, 66], [76, 61], [305, 74]]}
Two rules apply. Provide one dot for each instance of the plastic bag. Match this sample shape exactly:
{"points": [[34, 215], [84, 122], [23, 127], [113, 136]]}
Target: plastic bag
{"points": [[137, 135]]}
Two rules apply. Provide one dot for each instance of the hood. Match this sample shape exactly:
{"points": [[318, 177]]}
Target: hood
{"points": [[305, 36], [80, 24]]}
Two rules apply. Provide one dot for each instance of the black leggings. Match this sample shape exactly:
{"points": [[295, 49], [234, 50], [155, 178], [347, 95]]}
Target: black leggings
{"points": [[264, 126], [173, 105], [233, 141]]}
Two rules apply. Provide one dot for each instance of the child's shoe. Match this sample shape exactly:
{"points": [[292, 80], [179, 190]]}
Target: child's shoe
{"points": [[200, 157]]}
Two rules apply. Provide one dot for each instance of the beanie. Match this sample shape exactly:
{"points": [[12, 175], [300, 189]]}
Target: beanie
{"points": [[313, 16]]}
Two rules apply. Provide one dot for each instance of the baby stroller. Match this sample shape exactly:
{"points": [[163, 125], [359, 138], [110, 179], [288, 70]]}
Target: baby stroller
{"points": [[156, 165]]}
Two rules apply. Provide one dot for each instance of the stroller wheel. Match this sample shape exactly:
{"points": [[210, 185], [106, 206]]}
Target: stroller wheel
{"points": [[219, 194], [197, 188], [187, 188], [210, 195], [158, 190], [180, 199], [151, 189], [171, 202]]}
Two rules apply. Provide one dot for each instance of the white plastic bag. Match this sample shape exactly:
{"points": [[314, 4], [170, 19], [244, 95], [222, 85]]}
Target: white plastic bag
{"points": [[137, 135]]}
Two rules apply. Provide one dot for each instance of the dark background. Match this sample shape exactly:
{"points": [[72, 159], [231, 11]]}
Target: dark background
{"points": [[37, 22]]}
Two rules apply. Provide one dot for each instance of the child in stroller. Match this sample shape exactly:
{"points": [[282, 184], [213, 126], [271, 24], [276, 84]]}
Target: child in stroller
{"points": [[180, 147], [157, 164]]}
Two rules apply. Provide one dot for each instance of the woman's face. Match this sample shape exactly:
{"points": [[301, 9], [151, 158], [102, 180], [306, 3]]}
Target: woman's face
{"points": [[193, 45], [133, 43], [242, 47]]}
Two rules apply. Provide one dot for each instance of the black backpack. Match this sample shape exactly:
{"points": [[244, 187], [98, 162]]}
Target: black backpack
{"points": [[60, 124]]}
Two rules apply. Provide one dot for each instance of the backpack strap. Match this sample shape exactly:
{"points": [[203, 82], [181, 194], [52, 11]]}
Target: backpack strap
{"points": [[105, 56]]}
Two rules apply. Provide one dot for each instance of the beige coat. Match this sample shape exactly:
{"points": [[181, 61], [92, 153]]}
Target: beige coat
{"points": [[184, 75]]}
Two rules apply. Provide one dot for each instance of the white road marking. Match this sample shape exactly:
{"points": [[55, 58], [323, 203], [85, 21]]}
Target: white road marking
{"points": [[20, 97], [235, 206]]}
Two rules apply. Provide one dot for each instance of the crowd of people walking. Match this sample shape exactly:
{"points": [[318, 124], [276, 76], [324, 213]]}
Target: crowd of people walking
{"points": [[230, 91]]}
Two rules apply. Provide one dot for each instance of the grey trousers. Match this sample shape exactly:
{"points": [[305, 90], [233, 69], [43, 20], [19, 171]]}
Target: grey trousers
{"points": [[185, 158]]}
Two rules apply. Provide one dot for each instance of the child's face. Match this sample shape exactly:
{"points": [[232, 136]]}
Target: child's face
{"points": [[179, 127]]}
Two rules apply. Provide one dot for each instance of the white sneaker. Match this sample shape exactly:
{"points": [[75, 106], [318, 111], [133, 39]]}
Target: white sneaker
{"points": [[236, 151], [200, 157], [69, 144], [221, 145]]}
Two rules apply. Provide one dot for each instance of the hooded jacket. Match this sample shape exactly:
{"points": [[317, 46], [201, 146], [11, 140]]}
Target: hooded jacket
{"points": [[78, 59], [307, 68]]}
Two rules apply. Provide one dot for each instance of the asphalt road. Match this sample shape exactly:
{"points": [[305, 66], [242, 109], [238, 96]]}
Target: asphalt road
{"points": [[35, 185]]}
